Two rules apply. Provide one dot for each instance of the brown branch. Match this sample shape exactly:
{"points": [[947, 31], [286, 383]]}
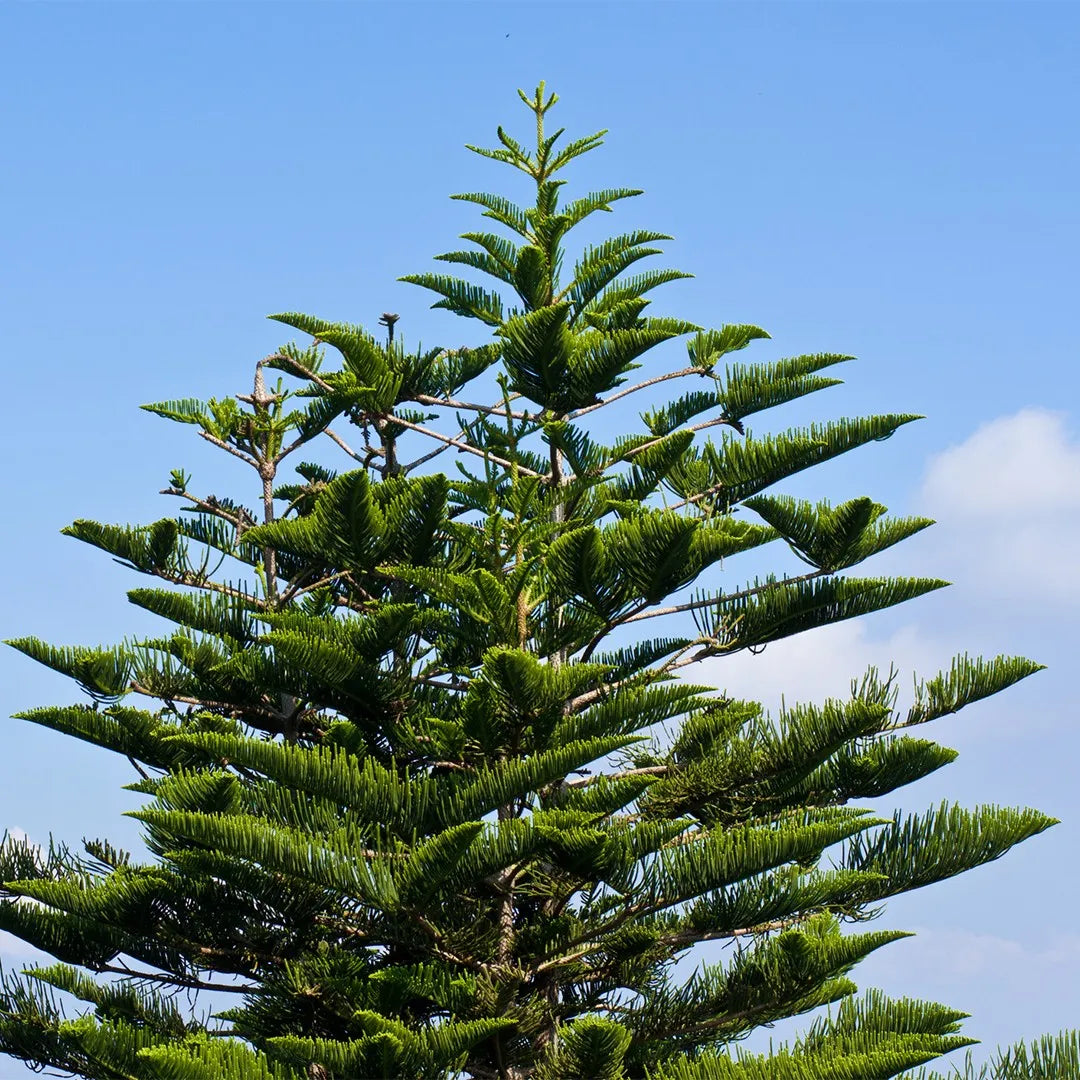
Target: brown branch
{"points": [[238, 522], [697, 605], [342, 927], [196, 581], [231, 449], [305, 372], [675, 661], [598, 637], [660, 438], [300, 440], [468, 406], [594, 940], [707, 651], [698, 497], [650, 770], [641, 611], [587, 698], [267, 471], [467, 447], [569, 958], [489, 409], [348, 602], [584, 700], [639, 386], [138, 768], [425, 681], [363, 935], [422, 460], [345, 446], [295, 588], [441, 951], [187, 981], [225, 706], [692, 937]]}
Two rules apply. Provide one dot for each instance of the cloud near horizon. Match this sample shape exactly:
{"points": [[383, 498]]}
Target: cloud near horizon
{"points": [[822, 663], [940, 960], [1007, 502]]}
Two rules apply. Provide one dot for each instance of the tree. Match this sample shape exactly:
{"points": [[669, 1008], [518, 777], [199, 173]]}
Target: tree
{"points": [[425, 801]]}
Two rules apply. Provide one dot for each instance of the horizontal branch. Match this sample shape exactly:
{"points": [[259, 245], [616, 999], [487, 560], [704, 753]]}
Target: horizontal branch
{"points": [[426, 681], [364, 459], [684, 938], [650, 770], [307, 373], [655, 441], [186, 981], [236, 520], [639, 386], [253, 462], [467, 447], [196, 581], [697, 605], [469, 406], [229, 707]]}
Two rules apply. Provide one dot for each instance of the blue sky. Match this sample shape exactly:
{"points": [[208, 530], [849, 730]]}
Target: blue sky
{"points": [[896, 181]]}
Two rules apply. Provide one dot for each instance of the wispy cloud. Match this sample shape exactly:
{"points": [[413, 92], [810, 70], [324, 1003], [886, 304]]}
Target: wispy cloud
{"points": [[19, 836], [822, 663], [1007, 500], [943, 956], [1007, 503]]}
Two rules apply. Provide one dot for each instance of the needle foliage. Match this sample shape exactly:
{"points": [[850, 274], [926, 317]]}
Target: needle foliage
{"points": [[431, 788]]}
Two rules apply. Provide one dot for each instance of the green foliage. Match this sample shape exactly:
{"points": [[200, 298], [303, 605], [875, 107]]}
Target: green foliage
{"points": [[422, 799], [1050, 1058], [834, 538], [911, 852]]}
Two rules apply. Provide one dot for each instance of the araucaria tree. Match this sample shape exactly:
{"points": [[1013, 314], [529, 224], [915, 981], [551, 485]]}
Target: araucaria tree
{"points": [[432, 791]]}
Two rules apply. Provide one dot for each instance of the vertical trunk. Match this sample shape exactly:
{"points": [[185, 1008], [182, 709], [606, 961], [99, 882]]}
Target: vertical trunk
{"points": [[558, 516], [267, 471]]}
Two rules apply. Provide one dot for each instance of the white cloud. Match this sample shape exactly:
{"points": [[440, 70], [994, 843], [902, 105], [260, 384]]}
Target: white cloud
{"points": [[1019, 463], [19, 835], [822, 663], [1007, 501], [1014, 989], [945, 956]]}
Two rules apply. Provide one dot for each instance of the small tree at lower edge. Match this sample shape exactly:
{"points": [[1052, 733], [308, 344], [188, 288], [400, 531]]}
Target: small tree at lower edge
{"points": [[427, 799]]}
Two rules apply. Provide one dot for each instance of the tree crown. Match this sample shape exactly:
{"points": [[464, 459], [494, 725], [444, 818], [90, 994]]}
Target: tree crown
{"points": [[423, 800]]}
